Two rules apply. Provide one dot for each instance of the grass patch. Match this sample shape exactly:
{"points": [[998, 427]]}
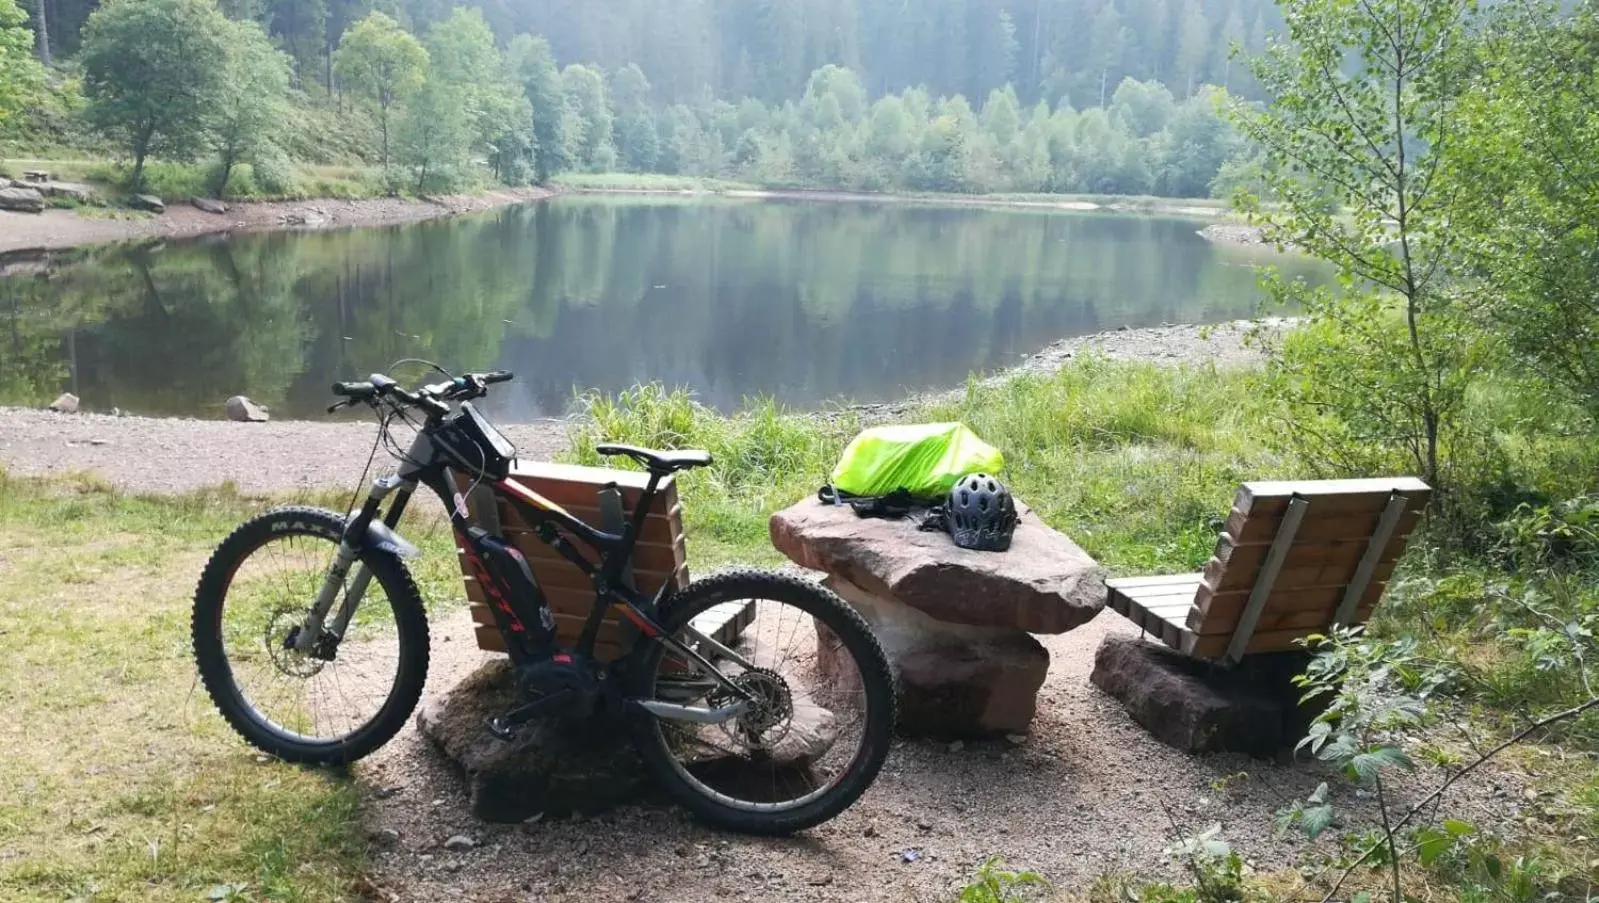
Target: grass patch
{"points": [[180, 181], [118, 781]]}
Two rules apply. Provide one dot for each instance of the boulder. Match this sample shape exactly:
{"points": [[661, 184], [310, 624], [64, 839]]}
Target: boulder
{"points": [[1043, 584], [70, 190], [1234, 234], [559, 767], [955, 681], [552, 767], [208, 205], [65, 403], [244, 410], [307, 217], [1199, 707], [148, 202], [21, 200]]}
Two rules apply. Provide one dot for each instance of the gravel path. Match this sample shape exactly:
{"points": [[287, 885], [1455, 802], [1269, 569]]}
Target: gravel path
{"points": [[150, 454]]}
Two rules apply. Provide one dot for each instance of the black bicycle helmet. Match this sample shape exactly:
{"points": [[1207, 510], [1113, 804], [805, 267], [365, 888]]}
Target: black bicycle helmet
{"points": [[980, 513]]}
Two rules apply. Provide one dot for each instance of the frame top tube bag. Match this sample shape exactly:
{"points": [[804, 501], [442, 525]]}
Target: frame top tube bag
{"points": [[923, 460]]}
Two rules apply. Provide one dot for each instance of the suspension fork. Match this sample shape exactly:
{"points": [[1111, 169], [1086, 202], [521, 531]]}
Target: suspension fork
{"points": [[315, 625]]}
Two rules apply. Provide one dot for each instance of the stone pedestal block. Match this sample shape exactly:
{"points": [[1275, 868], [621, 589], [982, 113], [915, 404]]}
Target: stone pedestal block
{"points": [[1199, 707], [955, 680]]}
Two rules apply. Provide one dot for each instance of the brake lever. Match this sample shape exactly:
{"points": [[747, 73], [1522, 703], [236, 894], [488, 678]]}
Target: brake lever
{"points": [[339, 404]]}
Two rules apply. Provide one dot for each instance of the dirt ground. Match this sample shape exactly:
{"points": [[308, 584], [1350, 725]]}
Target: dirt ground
{"points": [[1086, 793], [70, 228]]}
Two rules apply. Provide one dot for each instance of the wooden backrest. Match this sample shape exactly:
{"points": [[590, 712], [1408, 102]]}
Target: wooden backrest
{"points": [[1296, 556], [659, 556]]}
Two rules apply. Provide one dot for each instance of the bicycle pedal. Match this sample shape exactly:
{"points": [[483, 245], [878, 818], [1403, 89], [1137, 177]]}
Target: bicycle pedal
{"points": [[505, 726]]}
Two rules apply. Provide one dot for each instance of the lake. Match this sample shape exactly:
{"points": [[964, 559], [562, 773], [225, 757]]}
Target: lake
{"points": [[807, 302]]}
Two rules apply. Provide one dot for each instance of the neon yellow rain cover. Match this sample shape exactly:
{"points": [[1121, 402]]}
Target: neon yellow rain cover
{"points": [[923, 458]]}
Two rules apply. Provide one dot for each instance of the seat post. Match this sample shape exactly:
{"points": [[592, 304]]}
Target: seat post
{"points": [[642, 510]]}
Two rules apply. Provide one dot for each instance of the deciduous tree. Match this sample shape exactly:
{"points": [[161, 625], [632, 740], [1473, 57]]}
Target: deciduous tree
{"points": [[385, 64], [250, 105], [154, 72]]}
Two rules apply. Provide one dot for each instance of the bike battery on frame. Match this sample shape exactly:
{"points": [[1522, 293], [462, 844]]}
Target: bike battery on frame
{"points": [[509, 570]]}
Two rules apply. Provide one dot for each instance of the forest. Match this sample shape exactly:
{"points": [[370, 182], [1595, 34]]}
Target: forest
{"points": [[418, 96]]}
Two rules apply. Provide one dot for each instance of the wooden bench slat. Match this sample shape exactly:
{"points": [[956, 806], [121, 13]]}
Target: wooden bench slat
{"points": [[574, 484], [1318, 564], [1127, 583], [1244, 529], [659, 524], [1329, 496], [571, 578], [1226, 606], [1304, 620]]}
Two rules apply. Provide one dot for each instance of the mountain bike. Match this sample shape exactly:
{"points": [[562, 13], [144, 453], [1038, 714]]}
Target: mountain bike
{"points": [[312, 638]]}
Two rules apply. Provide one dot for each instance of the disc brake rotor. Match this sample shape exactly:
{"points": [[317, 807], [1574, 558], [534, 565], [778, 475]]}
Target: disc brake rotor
{"points": [[281, 628]]}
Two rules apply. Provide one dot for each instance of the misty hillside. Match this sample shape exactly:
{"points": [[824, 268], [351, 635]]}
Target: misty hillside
{"points": [[1076, 50]]}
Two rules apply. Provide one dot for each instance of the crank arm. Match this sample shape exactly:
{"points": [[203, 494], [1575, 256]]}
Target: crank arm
{"points": [[674, 712]]}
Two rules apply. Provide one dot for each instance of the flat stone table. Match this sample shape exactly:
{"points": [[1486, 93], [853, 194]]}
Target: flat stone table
{"points": [[955, 623]]}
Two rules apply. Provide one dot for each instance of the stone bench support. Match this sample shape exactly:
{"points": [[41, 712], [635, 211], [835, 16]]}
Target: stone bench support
{"points": [[956, 623]]}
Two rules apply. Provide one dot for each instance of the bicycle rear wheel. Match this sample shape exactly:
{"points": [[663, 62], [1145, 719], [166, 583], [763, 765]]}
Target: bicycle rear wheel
{"points": [[819, 729]]}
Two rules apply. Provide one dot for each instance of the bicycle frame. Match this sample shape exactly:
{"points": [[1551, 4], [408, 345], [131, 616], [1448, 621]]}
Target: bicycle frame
{"points": [[518, 617]]}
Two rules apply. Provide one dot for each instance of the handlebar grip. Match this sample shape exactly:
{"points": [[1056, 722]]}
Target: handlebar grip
{"points": [[498, 376], [355, 390]]}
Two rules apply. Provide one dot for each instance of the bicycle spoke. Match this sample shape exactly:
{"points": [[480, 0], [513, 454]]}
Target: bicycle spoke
{"points": [[781, 753], [299, 693]]}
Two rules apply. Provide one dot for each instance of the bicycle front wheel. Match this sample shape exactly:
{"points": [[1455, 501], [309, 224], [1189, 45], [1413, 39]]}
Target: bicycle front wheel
{"points": [[818, 729], [336, 702]]}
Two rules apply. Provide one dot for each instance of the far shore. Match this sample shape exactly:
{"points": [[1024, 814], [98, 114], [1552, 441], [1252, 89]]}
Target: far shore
{"points": [[57, 229]]}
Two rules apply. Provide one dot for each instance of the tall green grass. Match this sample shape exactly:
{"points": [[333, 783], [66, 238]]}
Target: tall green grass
{"points": [[1135, 462]]}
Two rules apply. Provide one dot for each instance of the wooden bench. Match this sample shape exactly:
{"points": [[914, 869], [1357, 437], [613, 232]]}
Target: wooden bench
{"points": [[1293, 559], [659, 557]]}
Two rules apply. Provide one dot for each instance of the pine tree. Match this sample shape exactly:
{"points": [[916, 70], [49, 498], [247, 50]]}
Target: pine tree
{"points": [[1193, 46]]}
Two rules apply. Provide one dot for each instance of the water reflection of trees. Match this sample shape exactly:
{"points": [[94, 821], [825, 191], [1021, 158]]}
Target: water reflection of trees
{"points": [[805, 301]]}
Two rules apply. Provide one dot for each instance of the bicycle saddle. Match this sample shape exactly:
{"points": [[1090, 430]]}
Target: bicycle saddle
{"points": [[658, 461]]}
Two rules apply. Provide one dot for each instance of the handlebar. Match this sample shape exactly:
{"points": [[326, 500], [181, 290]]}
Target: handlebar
{"points": [[433, 398]]}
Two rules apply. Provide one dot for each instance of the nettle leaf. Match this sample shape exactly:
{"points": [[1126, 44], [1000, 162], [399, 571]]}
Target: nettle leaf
{"points": [[1457, 828], [1319, 732], [1320, 796], [1432, 843], [1342, 748], [1314, 819], [1366, 765]]}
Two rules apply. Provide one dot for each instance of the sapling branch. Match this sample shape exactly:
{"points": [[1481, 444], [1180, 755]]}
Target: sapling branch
{"points": [[1448, 782]]}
